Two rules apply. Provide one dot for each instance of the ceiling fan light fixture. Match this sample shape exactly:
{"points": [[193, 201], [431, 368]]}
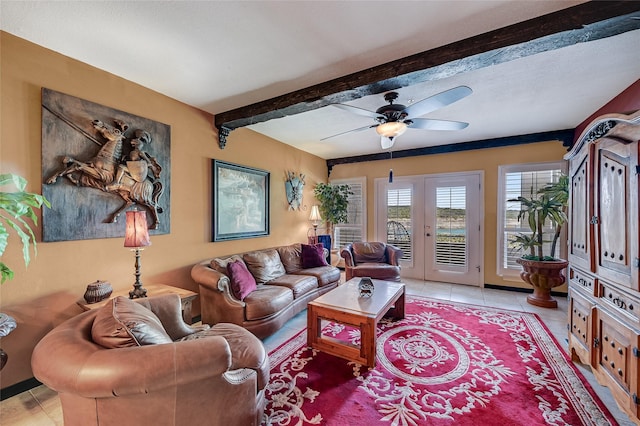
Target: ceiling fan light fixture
{"points": [[391, 129]]}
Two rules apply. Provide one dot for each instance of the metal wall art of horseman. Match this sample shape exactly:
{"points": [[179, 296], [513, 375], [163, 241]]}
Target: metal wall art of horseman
{"points": [[98, 162]]}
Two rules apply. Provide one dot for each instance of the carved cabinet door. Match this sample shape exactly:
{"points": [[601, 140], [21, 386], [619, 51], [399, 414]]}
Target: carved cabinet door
{"points": [[616, 211], [581, 209]]}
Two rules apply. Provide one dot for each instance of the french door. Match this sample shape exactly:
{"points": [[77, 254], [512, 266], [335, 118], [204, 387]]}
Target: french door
{"points": [[452, 230], [436, 220]]}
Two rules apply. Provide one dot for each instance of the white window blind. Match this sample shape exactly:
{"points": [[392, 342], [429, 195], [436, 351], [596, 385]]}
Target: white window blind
{"points": [[399, 229], [451, 226]]}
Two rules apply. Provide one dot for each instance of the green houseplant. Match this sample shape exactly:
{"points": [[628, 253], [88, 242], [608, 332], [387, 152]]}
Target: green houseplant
{"points": [[334, 201], [16, 208], [543, 271]]}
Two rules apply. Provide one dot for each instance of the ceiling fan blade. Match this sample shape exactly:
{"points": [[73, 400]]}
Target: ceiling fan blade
{"points": [[438, 101], [359, 129], [359, 111], [386, 142], [432, 124]]}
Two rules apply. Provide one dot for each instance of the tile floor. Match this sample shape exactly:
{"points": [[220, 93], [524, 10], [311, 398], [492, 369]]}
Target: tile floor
{"points": [[41, 406]]}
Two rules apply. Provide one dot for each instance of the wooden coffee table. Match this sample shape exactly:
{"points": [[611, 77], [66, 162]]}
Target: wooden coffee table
{"points": [[343, 305]]}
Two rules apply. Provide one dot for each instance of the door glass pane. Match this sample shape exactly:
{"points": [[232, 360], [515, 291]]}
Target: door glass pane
{"points": [[399, 220], [451, 226]]}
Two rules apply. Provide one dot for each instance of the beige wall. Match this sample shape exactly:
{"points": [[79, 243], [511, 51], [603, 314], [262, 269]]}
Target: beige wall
{"points": [[45, 294], [486, 160]]}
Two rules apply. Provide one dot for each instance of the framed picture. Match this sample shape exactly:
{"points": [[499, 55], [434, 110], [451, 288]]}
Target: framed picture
{"points": [[240, 201]]}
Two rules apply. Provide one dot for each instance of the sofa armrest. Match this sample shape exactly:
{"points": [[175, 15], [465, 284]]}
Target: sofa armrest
{"points": [[393, 254], [212, 280], [347, 255]]}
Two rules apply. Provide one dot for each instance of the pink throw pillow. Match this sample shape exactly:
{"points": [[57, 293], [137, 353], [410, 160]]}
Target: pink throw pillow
{"points": [[313, 256], [242, 282]]}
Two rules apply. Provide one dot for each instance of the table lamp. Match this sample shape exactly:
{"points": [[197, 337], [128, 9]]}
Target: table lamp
{"points": [[315, 218], [136, 236]]}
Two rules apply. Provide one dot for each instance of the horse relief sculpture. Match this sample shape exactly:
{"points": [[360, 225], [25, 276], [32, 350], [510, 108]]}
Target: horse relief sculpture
{"points": [[134, 176]]}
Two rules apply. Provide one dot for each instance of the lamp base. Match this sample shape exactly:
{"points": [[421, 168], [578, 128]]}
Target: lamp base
{"points": [[137, 292]]}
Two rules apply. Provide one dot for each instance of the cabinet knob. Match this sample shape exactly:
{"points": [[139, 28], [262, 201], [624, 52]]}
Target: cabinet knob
{"points": [[620, 372]]}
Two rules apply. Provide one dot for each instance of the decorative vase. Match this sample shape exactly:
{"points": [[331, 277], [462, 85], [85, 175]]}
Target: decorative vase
{"points": [[365, 287], [542, 275], [98, 291]]}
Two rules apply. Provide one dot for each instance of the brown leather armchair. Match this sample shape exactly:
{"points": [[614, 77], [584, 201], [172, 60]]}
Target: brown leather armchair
{"points": [[212, 376], [372, 259]]}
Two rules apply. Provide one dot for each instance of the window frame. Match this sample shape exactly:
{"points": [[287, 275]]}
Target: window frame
{"points": [[513, 274], [362, 181]]}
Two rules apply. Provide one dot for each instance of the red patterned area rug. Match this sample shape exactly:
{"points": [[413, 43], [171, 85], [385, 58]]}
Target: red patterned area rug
{"points": [[445, 364]]}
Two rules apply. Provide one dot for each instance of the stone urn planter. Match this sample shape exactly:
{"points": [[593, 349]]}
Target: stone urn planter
{"points": [[543, 275]]}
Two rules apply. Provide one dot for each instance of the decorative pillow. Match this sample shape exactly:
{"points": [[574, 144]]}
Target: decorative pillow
{"points": [[123, 323], [242, 282], [220, 264], [374, 252], [264, 265], [313, 256]]}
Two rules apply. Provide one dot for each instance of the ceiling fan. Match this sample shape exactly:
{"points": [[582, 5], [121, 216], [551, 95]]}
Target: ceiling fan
{"points": [[394, 119]]}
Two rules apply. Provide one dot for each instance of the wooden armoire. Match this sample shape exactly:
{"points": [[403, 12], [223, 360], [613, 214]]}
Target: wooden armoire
{"points": [[604, 255]]}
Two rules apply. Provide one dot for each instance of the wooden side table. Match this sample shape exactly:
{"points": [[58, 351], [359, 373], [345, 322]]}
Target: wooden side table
{"points": [[186, 298]]}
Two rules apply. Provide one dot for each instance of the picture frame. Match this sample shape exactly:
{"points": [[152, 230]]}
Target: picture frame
{"points": [[240, 201]]}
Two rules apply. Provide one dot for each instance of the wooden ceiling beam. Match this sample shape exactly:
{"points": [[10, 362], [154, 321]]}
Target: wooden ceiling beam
{"points": [[585, 22]]}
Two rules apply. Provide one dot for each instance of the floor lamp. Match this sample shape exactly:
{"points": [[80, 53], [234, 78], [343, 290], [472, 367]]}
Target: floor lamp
{"points": [[136, 237]]}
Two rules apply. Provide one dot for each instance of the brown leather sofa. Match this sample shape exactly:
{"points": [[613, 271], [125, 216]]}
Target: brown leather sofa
{"points": [[284, 288], [372, 259], [155, 369]]}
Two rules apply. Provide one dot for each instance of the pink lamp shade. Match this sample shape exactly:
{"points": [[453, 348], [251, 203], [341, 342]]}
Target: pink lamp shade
{"points": [[136, 233]]}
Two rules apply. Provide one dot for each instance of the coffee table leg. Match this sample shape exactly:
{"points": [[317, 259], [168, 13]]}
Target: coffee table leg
{"points": [[368, 341], [399, 307], [313, 326]]}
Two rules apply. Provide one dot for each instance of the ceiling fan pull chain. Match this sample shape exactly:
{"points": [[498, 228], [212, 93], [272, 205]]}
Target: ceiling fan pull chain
{"points": [[390, 170]]}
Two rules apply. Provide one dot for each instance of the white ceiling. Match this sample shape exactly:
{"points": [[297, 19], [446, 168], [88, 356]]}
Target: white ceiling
{"points": [[219, 55]]}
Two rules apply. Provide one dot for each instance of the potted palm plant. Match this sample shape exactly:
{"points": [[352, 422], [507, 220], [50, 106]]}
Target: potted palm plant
{"points": [[16, 208], [541, 269]]}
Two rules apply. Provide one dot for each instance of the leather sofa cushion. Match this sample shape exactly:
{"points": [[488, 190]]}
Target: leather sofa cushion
{"points": [[247, 351], [266, 300], [324, 274], [313, 256], [380, 271], [299, 284], [242, 282], [374, 252], [291, 257], [264, 265], [220, 264], [123, 323]]}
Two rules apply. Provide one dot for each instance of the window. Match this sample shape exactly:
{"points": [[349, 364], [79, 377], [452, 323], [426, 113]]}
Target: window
{"points": [[514, 181], [354, 229], [399, 221], [451, 225]]}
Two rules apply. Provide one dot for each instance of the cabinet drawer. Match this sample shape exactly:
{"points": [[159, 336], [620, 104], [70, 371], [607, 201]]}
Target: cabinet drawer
{"points": [[580, 326], [620, 301], [583, 280]]}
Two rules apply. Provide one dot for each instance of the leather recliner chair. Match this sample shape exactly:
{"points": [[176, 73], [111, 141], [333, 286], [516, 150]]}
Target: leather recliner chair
{"points": [[203, 375], [372, 259]]}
